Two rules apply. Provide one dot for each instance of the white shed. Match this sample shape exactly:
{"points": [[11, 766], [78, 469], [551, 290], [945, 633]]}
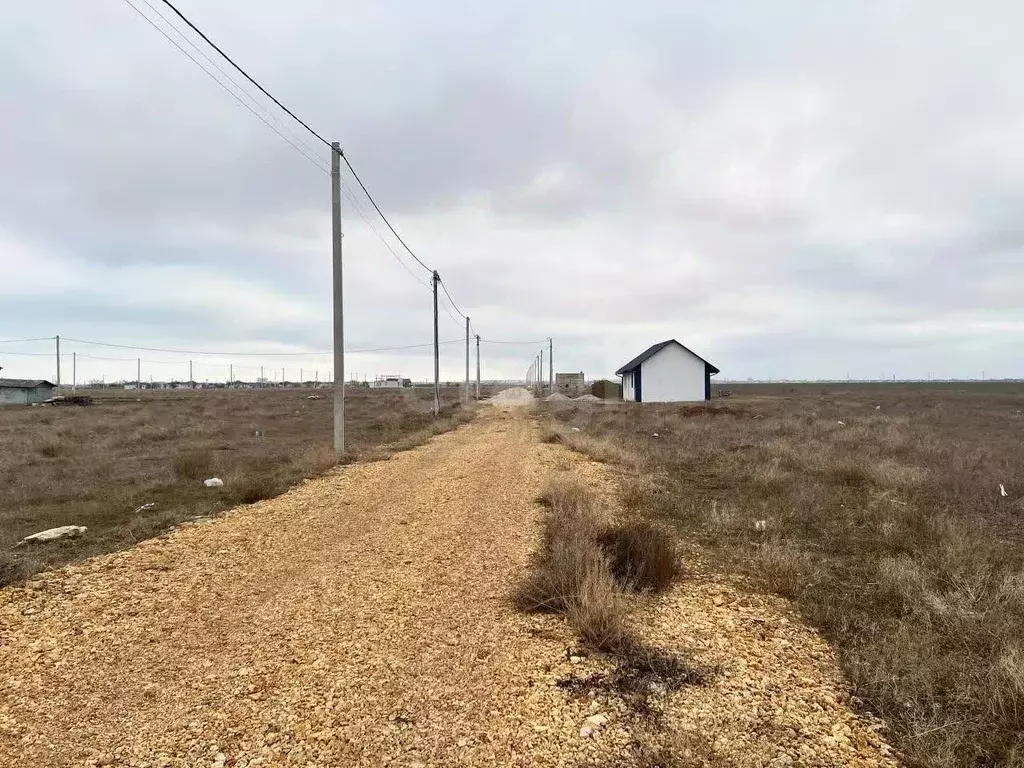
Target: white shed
{"points": [[668, 372]]}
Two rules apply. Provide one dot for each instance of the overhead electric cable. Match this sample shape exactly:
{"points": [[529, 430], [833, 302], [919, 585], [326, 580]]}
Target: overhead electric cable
{"points": [[235, 96]]}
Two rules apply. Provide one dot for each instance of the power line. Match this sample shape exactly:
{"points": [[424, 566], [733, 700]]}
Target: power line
{"points": [[231, 61], [347, 191], [379, 211], [220, 69], [224, 354], [228, 90], [443, 286], [194, 351], [408, 346], [19, 341], [301, 122], [495, 341]]}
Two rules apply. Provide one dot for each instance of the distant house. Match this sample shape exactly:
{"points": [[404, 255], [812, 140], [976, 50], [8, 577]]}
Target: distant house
{"points": [[24, 391], [388, 381], [569, 383], [668, 372]]}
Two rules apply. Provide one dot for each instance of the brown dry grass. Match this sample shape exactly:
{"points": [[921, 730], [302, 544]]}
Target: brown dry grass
{"points": [[888, 532], [584, 564], [98, 466]]}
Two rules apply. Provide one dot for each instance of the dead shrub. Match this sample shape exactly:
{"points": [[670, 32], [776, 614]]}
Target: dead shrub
{"points": [[595, 609], [53, 448], [582, 565], [636, 493], [550, 435], [642, 555], [255, 487], [570, 573], [194, 463], [320, 459]]}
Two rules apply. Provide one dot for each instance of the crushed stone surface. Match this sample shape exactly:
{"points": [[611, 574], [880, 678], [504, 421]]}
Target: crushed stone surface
{"points": [[512, 396], [362, 619]]}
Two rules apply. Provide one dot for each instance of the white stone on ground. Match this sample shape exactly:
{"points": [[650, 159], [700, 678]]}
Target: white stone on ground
{"points": [[52, 534]]}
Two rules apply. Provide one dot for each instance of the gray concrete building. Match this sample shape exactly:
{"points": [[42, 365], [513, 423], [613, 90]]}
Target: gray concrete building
{"points": [[24, 391]]}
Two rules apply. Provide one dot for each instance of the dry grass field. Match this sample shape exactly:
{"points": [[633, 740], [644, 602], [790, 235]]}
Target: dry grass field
{"points": [[878, 510], [99, 466]]}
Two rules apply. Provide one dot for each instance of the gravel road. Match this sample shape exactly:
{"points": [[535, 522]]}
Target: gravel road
{"points": [[361, 619]]}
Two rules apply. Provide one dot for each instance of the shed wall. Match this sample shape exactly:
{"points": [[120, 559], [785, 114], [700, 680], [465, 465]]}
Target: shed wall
{"points": [[628, 389], [13, 396], [39, 394], [673, 375]]}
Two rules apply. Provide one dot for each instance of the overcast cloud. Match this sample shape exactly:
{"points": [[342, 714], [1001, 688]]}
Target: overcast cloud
{"points": [[790, 189]]}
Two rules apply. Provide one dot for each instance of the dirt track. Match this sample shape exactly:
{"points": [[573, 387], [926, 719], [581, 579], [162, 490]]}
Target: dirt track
{"points": [[361, 619]]}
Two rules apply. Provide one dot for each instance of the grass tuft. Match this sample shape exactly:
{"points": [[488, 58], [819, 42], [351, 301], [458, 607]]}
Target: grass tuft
{"points": [[583, 565], [319, 460], [250, 488], [642, 555], [194, 463]]}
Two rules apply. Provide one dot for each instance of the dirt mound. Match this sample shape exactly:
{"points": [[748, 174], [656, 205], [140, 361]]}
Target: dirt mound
{"points": [[556, 396], [588, 398], [513, 395]]}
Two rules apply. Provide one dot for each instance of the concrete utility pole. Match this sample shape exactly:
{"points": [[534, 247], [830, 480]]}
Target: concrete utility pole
{"points": [[282, 377], [478, 366], [231, 373], [74, 371], [339, 315], [437, 362], [551, 365], [191, 381], [57, 339], [263, 379], [540, 376], [466, 394], [138, 375]]}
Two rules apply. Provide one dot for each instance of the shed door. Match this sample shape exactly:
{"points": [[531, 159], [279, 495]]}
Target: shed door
{"points": [[636, 383]]}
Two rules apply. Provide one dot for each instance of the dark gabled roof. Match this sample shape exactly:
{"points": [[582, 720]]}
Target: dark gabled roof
{"points": [[650, 352], [23, 383]]}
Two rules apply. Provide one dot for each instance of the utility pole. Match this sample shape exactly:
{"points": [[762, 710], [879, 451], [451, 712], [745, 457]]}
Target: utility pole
{"points": [[282, 377], [263, 379], [301, 371], [478, 366], [74, 371], [191, 385], [466, 396], [57, 339], [339, 315], [437, 362], [551, 366], [540, 376], [138, 376], [231, 373]]}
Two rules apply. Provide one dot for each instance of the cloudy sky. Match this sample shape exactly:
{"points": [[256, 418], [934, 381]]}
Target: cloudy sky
{"points": [[791, 189]]}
